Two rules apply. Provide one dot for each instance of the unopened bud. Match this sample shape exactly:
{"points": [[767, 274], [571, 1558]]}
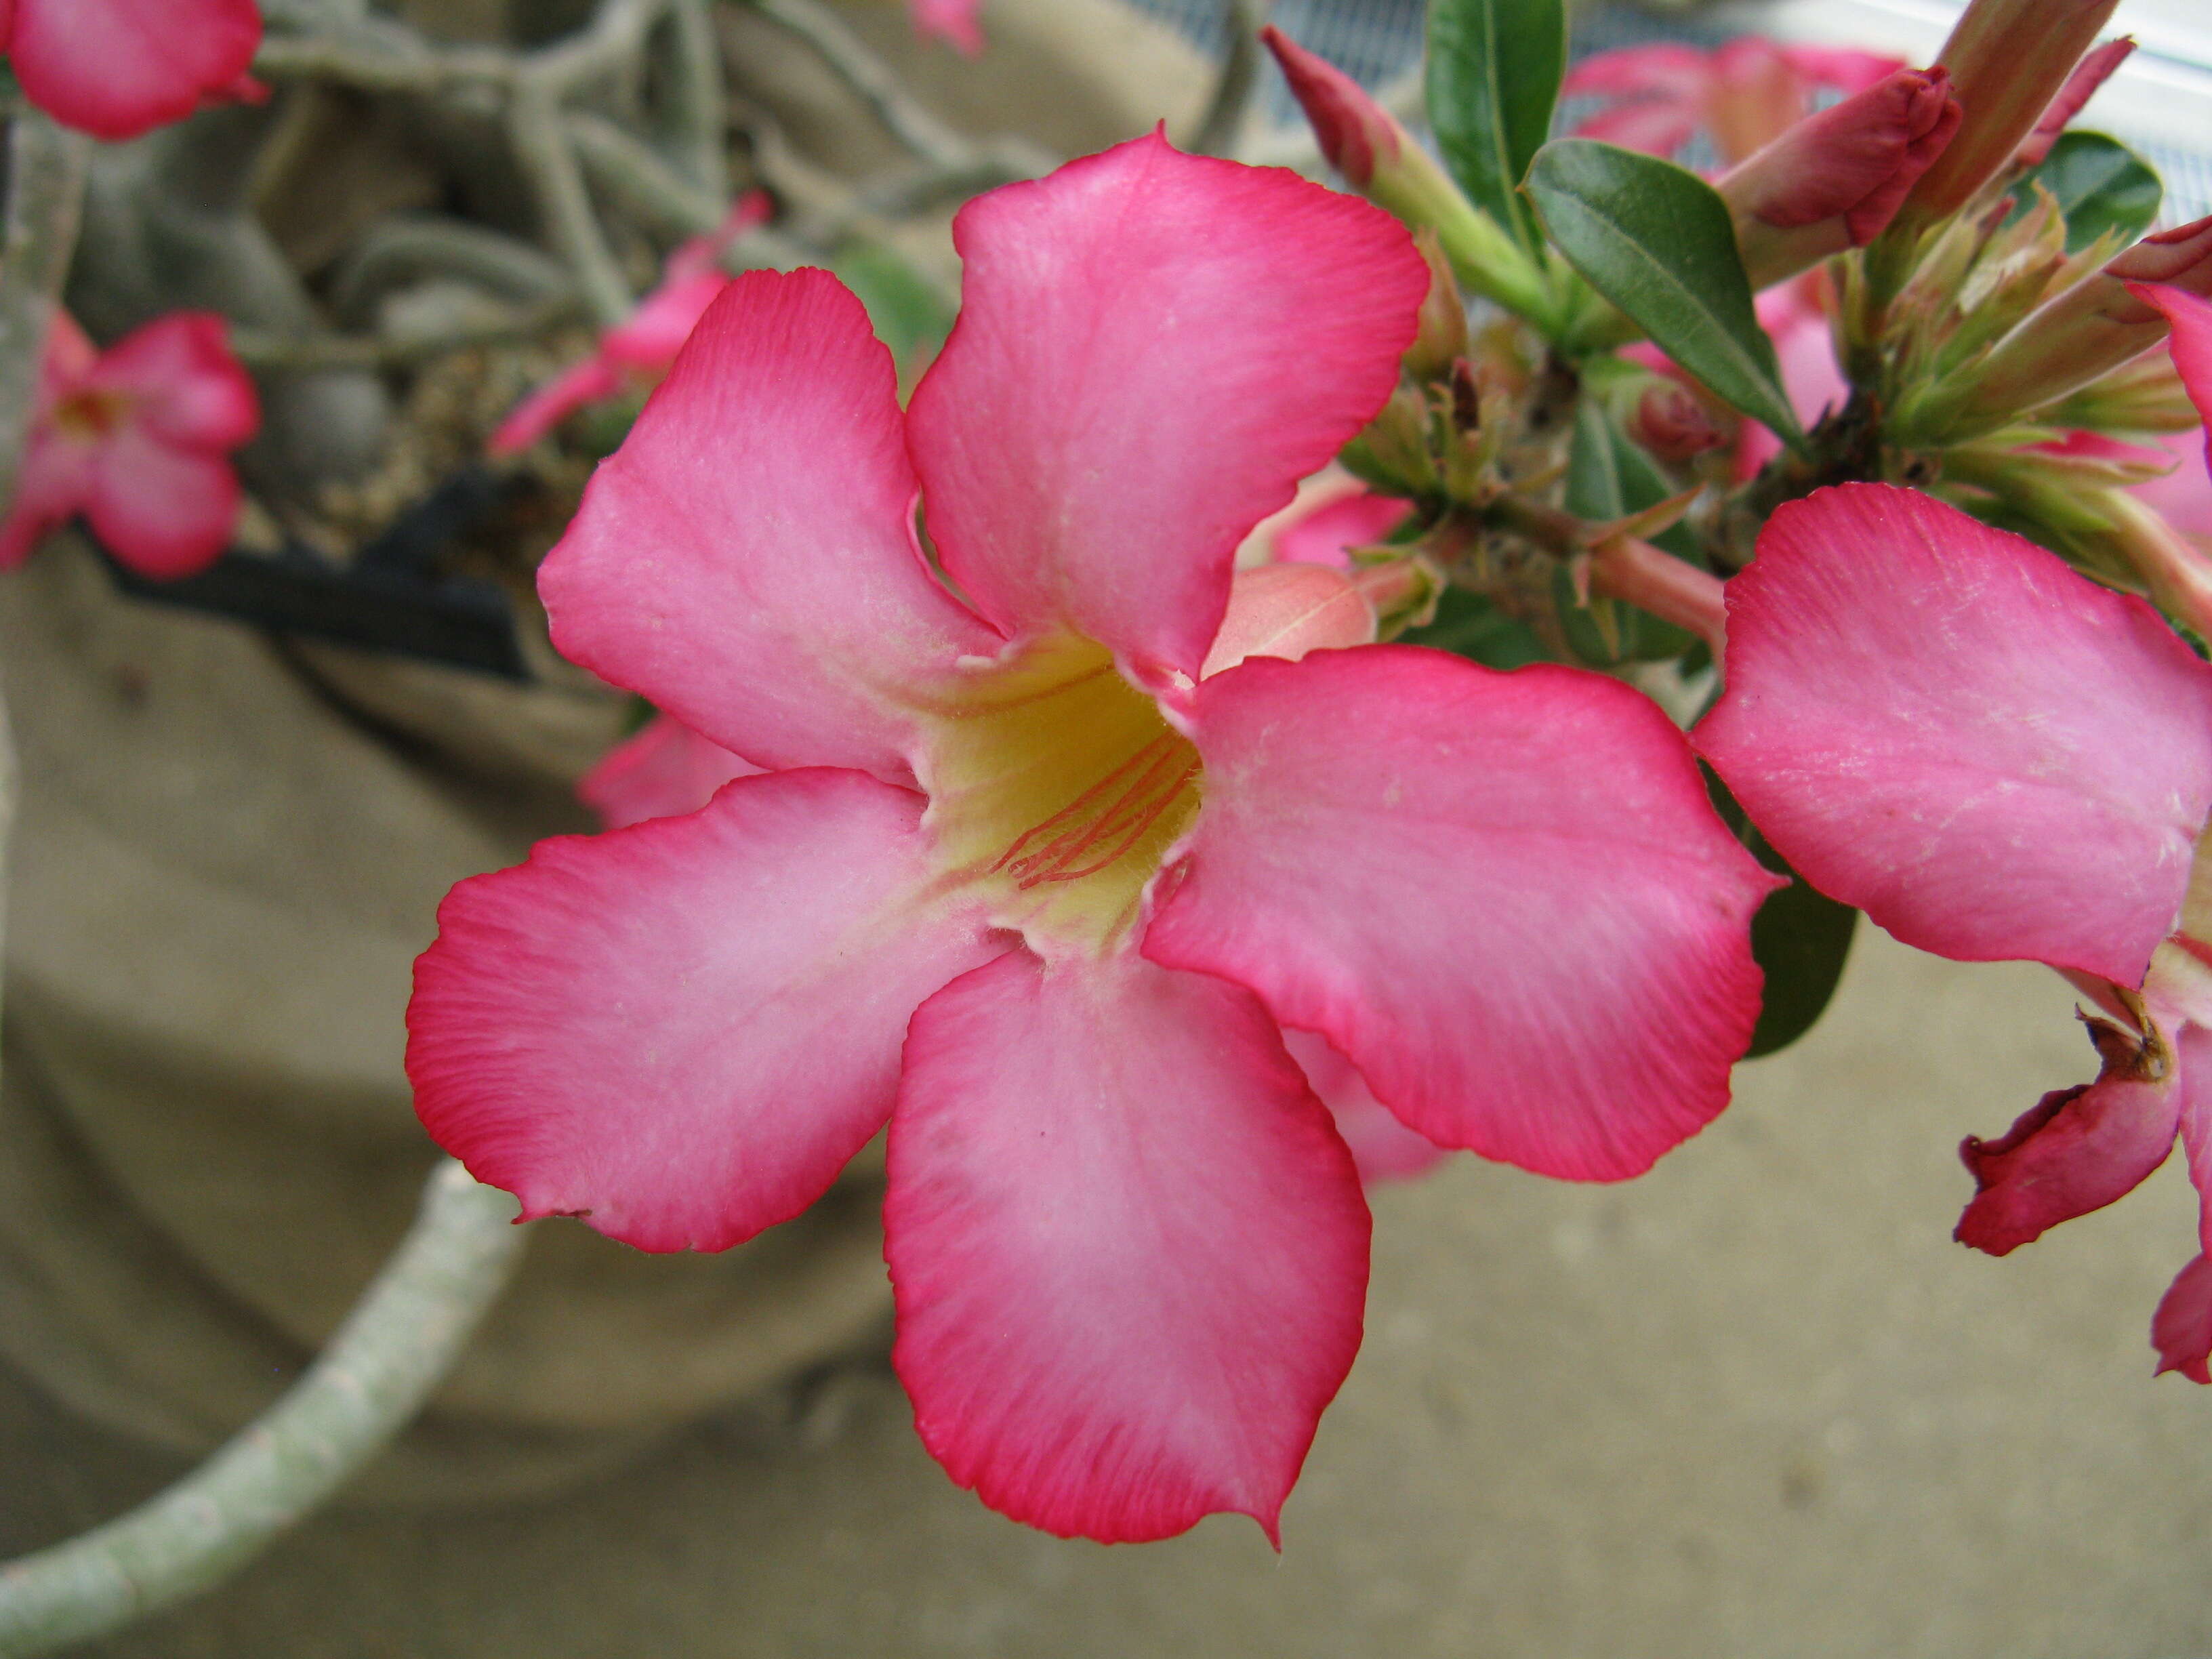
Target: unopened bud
{"points": [[1392, 452], [1381, 160], [1668, 419], [2091, 73], [1442, 339], [2008, 60], [2094, 327], [1834, 180]]}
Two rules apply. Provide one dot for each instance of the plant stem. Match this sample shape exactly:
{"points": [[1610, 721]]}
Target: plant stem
{"points": [[47, 169], [393, 1349], [1223, 123]]}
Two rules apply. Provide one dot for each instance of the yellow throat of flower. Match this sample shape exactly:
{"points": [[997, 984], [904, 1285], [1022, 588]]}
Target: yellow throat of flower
{"points": [[1057, 786]]}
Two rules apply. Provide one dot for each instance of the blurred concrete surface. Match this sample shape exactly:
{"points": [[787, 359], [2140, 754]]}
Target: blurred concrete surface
{"points": [[1756, 1404]]}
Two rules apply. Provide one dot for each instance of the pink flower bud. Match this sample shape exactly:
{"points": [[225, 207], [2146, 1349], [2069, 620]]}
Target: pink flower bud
{"points": [[2008, 60], [1669, 422], [2091, 73], [1357, 134], [1834, 180]]}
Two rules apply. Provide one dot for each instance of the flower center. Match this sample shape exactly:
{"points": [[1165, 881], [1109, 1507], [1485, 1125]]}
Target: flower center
{"points": [[1058, 785], [89, 416]]}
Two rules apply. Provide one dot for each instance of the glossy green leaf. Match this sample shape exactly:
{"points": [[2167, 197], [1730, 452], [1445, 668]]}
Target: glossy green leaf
{"points": [[1609, 478], [1494, 68], [1800, 939], [1655, 240], [2100, 185]]}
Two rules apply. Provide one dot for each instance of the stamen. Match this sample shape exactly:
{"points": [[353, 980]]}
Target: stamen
{"points": [[1146, 756], [1117, 810], [1151, 817]]}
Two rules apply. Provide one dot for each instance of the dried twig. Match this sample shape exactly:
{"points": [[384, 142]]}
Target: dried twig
{"points": [[869, 79]]}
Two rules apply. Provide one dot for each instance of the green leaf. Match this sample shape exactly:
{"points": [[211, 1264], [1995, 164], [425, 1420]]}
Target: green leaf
{"points": [[909, 314], [2101, 184], [1494, 68], [1469, 625], [1799, 939], [1609, 478], [1655, 240]]}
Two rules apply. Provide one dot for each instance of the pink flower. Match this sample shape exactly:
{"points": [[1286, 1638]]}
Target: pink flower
{"points": [[1026, 880], [664, 770], [1745, 94], [117, 68], [1996, 758], [956, 22], [136, 438], [636, 353]]}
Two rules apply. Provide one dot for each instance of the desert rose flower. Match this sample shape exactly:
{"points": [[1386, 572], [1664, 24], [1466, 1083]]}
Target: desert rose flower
{"points": [[117, 68], [1832, 181], [668, 769], [637, 352], [1025, 879], [957, 23], [1744, 94], [1996, 759], [138, 439]]}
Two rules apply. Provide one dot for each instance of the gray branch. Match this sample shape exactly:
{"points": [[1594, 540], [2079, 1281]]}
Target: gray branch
{"points": [[47, 167], [393, 1349], [869, 79]]}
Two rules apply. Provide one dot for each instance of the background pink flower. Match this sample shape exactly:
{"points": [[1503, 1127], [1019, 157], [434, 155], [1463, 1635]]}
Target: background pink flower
{"points": [[1743, 96], [637, 352], [1996, 759], [117, 68], [958, 22], [1042, 878], [138, 439]]}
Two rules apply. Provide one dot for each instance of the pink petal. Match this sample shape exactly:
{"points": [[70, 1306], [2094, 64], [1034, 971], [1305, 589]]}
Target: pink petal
{"points": [[664, 319], [1944, 724], [956, 21], [1654, 127], [1129, 1250], [1670, 71], [2193, 1051], [1328, 533], [1382, 1147], [2189, 315], [2074, 1151], [1287, 610], [663, 771], [115, 68], [587, 382], [1846, 71], [683, 1032], [1504, 897], [166, 511], [50, 488], [2181, 1330], [186, 388], [1153, 349], [747, 561], [2183, 496]]}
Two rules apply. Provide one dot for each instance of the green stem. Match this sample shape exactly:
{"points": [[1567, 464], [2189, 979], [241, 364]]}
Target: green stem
{"points": [[393, 1349]]}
